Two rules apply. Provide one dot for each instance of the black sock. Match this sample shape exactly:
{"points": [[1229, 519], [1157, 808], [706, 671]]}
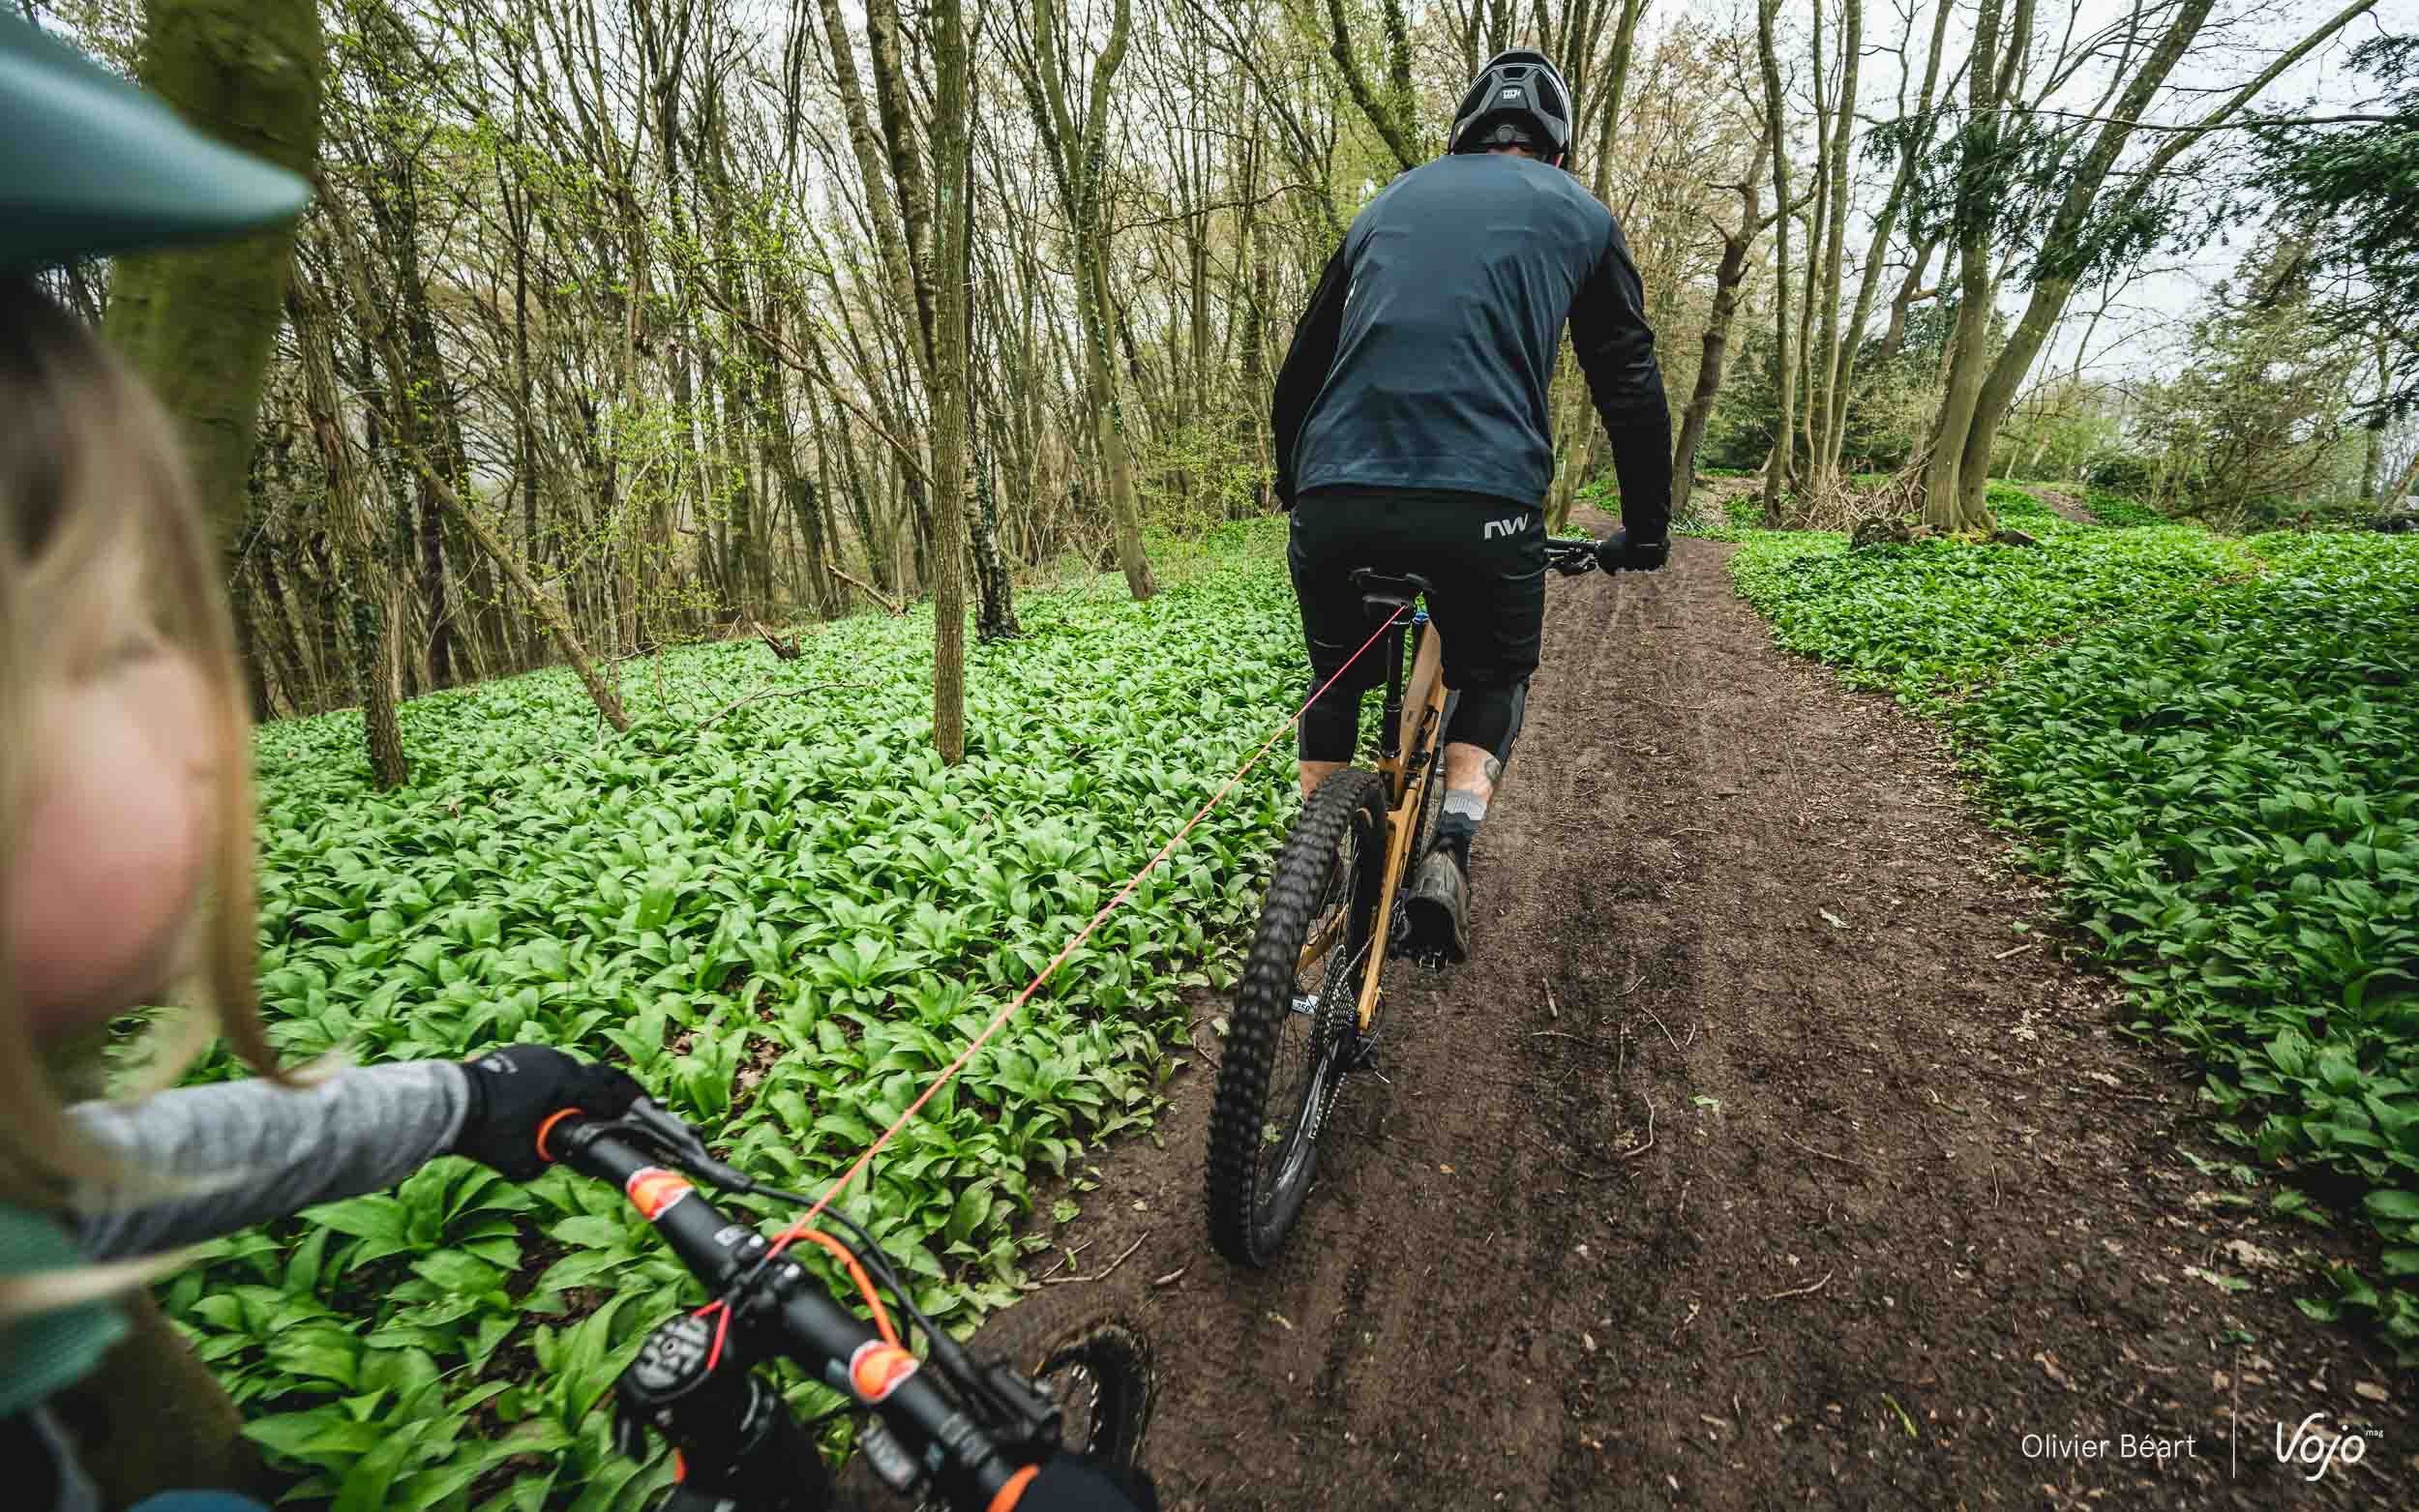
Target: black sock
{"points": [[1453, 834]]}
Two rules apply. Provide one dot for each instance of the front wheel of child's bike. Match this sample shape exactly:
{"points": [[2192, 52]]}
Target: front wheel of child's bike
{"points": [[1095, 1361], [1290, 1033]]}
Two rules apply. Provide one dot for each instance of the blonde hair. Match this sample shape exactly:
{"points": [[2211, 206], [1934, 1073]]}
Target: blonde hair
{"points": [[90, 467]]}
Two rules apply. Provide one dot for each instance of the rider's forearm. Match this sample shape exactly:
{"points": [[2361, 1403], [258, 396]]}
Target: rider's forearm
{"points": [[1615, 350], [1642, 460], [223, 1157]]}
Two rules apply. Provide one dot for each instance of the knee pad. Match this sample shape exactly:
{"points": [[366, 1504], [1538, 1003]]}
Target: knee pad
{"points": [[1489, 718]]}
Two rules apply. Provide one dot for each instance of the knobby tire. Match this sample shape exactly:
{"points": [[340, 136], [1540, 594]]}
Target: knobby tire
{"points": [[1334, 858]]}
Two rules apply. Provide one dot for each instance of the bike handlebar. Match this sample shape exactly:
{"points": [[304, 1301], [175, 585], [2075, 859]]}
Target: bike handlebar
{"points": [[1572, 557], [737, 1440]]}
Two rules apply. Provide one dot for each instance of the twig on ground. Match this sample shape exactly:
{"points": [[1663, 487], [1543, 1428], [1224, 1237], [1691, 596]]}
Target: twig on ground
{"points": [[868, 589], [1658, 1024], [1100, 1275], [1650, 1135], [1551, 1011], [1802, 1290], [1170, 1278], [1557, 1034], [1064, 1261], [1820, 1154], [785, 650], [2030, 944]]}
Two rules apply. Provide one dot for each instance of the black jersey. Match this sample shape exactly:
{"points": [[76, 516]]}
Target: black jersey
{"points": [[1423, 360]]}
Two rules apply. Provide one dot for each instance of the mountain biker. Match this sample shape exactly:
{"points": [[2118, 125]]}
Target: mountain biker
{"points": [[1412, 435], [126, 824]]}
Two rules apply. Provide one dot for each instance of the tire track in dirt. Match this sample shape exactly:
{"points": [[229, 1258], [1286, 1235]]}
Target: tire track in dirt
{"points": [[1908, 1197]]}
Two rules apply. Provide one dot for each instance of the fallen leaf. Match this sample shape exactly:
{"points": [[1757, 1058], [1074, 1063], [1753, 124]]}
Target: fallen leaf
{"points": [[1282, 1321], [2050, 1363], [1833, 919], [2370, 1389]]}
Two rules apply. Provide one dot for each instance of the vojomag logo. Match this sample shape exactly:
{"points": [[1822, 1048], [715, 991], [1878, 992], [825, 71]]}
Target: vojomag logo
{"points": [[2320, 1449]]}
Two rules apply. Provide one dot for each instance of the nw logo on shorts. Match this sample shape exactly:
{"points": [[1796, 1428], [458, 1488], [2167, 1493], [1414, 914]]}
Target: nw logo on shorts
{"points": [[1504, 527]]}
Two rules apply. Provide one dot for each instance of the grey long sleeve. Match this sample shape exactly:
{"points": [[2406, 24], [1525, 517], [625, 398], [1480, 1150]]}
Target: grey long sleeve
{"points": [[264, 1150]]}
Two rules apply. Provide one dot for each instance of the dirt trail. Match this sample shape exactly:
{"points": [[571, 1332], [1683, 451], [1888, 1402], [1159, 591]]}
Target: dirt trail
{"points": [[1751, 1162]]}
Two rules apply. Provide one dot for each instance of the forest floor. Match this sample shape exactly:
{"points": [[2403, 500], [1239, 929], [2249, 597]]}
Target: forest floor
{"points": [[1754, 1159]]}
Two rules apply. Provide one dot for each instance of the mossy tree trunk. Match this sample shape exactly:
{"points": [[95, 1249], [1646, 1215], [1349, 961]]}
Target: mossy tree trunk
{"points": [[198, 323]]}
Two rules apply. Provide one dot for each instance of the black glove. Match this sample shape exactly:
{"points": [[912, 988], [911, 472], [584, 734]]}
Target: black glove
{"points": [[1617, 552], [1080, 1483], [515, 1089]]}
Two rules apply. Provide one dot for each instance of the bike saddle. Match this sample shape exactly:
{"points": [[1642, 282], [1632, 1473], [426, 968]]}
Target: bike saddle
{"points": [[1390, 594]]}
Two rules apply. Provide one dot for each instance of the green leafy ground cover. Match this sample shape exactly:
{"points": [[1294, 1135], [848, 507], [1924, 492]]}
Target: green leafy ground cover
{"points": [[784, 923], [2115, 509], [2212, 746], [1935, 618]]}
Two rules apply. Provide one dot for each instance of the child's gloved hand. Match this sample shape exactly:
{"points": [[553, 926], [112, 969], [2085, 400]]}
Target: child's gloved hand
{"points": [[515, 1089]]}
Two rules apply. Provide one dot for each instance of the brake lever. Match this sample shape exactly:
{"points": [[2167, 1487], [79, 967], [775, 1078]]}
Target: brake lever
{"points": [[679, 1144]]}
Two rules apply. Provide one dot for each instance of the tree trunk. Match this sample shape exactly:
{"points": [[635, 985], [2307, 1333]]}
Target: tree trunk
{"points": [[1776, 466], [996, 618], [198, 324], [1077, 154], [1895, 335], [1728, 275], [349, 517], [1838, 344], [1953, 500], [953, 153]]}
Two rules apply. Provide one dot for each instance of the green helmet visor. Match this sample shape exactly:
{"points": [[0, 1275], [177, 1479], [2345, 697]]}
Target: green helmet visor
{"points": [[91, 165]]}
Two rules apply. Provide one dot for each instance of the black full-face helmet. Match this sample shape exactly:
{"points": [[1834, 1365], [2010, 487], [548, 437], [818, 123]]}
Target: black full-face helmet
{"points": [[1519, 100]]}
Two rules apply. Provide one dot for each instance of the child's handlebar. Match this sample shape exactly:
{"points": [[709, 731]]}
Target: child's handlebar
{"points": [[982, 1435]]}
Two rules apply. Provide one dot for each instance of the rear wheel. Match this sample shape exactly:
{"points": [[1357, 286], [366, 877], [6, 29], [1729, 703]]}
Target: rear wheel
{"points": [[1289, 1036]]}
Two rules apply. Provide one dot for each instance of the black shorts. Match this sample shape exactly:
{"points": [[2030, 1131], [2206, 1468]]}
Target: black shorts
{"points": [[1486, 557]]}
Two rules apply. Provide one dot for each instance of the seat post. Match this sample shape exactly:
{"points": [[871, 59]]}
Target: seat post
{"points": [[1388, 744], [1400, 598]]}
